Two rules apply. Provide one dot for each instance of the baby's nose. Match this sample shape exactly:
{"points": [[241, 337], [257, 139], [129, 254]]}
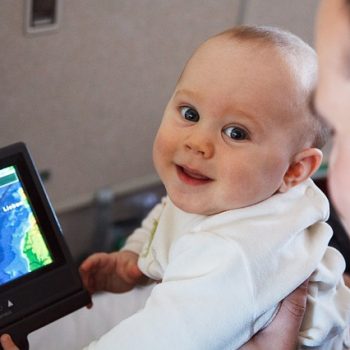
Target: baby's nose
{"points": [[200, 146]]}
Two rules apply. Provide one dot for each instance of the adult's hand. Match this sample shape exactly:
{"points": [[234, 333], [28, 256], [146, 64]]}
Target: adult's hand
{"points": [[283, 332], [7, 343]]}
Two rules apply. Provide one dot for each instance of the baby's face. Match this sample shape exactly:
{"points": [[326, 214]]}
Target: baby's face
{"points": [[224, 141]]}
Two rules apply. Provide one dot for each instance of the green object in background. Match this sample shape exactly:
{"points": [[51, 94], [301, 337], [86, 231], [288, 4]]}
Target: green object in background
{"points": [[322, 171]]}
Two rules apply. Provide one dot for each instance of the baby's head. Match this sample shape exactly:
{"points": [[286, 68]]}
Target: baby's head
{"points": [[237, 128]]}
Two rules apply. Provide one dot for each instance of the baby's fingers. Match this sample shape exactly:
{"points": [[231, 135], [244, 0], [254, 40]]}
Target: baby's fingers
{"points": [[88, 269], [93, 261]]}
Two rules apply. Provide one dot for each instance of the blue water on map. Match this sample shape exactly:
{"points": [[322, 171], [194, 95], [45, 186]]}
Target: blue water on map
{"points": [[15, 217]]}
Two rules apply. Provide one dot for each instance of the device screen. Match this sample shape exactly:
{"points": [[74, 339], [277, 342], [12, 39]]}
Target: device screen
{"points": [[22, 245]]}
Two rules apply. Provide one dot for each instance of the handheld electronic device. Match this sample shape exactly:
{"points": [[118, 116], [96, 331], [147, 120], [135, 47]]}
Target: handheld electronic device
{"points": [[39, 281]]}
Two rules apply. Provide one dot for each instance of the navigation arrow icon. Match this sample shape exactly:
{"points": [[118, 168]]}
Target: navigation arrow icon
{"points": [[9, 303]]}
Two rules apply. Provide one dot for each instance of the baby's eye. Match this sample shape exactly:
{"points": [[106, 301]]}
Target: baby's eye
{"points": [[189, 114], [236, 133]]}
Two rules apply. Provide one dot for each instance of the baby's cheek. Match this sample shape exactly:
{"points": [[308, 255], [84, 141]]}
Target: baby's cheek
{"points": [[243, 189], [162, 145], [163, 150]]}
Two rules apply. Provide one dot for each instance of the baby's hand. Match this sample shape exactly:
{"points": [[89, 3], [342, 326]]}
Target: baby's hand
{"points": [[7, 343], [114, 272]]}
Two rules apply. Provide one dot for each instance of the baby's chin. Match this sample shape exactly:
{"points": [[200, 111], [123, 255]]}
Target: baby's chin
{"points": [[208, 207], [198, 208]]}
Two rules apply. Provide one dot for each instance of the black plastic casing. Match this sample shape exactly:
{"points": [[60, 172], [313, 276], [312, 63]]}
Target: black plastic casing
{"points": [[53, 291]]}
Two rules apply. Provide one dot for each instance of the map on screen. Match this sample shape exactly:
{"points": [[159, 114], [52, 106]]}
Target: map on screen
{"points": [[22, 247]]}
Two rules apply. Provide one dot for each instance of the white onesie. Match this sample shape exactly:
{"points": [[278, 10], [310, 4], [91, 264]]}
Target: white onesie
{"points": [[223, 276]]}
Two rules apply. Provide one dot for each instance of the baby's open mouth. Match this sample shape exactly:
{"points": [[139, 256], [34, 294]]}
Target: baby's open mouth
{"points": [[191, 176]]}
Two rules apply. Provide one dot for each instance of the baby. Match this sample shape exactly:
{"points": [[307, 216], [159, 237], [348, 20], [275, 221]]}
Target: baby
{"points": [[242, 224]]}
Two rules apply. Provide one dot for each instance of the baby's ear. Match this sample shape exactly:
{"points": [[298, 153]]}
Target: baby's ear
{"points": [[303, 166]]}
